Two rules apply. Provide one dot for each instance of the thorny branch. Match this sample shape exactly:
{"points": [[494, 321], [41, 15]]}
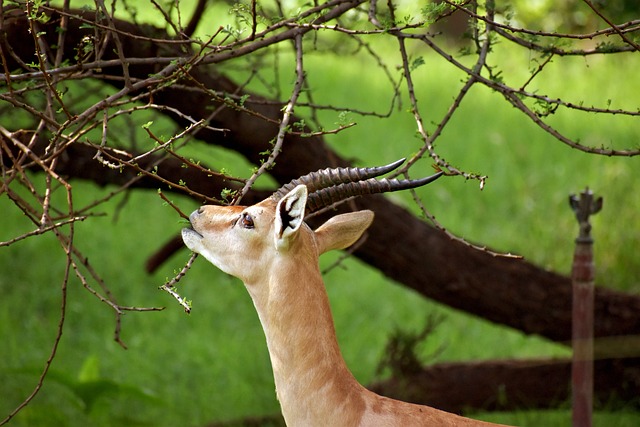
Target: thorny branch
{"points": [[284, 124], [47, 117]]}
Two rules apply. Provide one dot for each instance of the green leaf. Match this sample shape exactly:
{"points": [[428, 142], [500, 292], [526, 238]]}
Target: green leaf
{"points": [[416, 63], [90, 369]]}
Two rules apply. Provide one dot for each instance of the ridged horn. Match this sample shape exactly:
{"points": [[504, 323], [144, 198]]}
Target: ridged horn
{"points": [[328, 196], [333, 176], [329, 186]]}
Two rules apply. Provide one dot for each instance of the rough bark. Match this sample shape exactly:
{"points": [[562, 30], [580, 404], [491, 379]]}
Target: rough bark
{"points": [[499, 385], [506, 291]]}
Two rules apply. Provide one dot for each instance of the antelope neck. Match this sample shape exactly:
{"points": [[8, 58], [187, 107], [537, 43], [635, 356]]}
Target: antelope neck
{"points": [[313, 383]]}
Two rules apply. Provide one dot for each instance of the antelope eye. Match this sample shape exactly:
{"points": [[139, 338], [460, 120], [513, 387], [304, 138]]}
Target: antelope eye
{"points": [[246, 221]]}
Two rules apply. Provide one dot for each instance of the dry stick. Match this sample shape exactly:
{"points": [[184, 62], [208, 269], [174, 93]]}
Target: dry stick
{"points": [[629, 26], [67, 247], [194, 127], [68, 241], [503, 88], [195, 18], [162, 145], [190, 164], [395, 85], [42, 230], [170, 285], [512, 95], [429, 139], [165, 181], [246, 46], [556, 50], [109, 299], [64, 22], [73, 70], [536, 72], [254, 20], [54, 349], [33, 111], [372, 14], [613, 26], [226, 101], [103, 143], [170, 203], [110, 195], [99, 26], [453, 237], [284, 124], [164, 109], [337, 28], [41, 54], [116, 38], [17, 172], [166, 74], [167, 17], [323, 132]]}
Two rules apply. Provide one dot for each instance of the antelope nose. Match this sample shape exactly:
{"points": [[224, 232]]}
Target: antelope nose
{"points": [[195, 214]]}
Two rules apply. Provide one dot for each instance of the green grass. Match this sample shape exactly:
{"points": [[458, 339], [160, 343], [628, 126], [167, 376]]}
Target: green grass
{"points": [[213, 365]]}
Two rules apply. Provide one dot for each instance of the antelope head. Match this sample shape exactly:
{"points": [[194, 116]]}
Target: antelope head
{"points": [[246, 241]]}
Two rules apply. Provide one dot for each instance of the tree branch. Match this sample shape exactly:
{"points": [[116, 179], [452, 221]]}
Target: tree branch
{"points": [[507, 291]]}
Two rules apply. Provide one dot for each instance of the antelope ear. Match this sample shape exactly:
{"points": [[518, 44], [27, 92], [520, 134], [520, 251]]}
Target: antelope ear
{"points": [[289, 216], [342, 231]]}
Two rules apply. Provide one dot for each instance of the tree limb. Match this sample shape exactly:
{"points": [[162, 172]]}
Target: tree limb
{"points": [[506, 291]]}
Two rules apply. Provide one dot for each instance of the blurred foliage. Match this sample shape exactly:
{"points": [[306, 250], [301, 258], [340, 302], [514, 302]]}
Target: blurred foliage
{"points": [[569, 16]]}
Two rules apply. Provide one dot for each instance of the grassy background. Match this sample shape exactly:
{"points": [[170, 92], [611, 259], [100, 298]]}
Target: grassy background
{"points": [[213, 364]]}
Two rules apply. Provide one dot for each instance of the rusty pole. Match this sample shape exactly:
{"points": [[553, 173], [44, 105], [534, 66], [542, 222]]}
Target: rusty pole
{"points": [[582, 274]]}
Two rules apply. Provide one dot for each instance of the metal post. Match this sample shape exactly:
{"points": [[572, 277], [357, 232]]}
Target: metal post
{"points": [[582, 311]]}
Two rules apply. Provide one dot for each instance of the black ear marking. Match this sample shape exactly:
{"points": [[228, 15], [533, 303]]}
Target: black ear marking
{"points": [[289, 216], [286, 219]]}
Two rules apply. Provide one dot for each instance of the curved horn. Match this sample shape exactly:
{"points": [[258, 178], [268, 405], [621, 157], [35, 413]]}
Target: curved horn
{"points": [[330, 177], [328, 186], [331, 195]]}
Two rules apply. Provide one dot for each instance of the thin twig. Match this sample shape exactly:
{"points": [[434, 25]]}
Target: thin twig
{"points": [[453, 237], [284, 123], [170, 203], [171, 284]]}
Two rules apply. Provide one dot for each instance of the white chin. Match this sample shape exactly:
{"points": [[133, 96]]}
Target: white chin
{"points": [[191, 238]]}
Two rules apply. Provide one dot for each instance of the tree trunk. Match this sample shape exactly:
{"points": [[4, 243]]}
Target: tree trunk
{"points": [[501, 385]]}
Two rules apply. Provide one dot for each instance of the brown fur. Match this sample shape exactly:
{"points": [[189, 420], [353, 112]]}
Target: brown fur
{"points": [[279, 268]]}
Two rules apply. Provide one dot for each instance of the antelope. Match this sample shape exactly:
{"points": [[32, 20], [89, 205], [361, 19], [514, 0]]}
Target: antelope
{"points": [[275, 253]]}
